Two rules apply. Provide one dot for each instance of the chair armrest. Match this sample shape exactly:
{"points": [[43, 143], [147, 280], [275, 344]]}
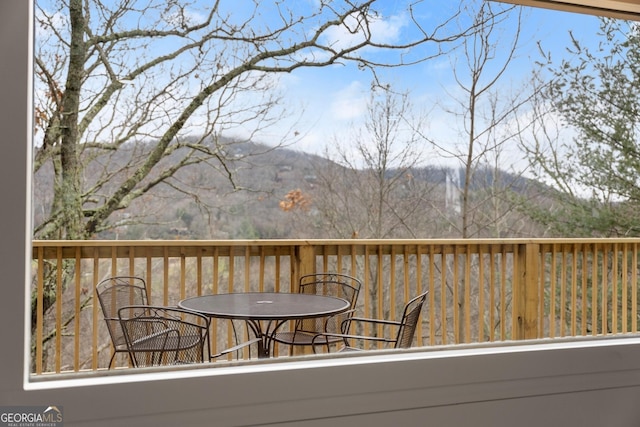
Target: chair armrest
{"points": [[346, 338], [346, 323], [235, 348]]}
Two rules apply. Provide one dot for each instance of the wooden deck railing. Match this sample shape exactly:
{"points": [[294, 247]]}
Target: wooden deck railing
{"points": [[479, 290]]}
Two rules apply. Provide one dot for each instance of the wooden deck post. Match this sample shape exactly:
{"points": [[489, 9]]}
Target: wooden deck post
{"points": [[526, 292], [305, 263]]}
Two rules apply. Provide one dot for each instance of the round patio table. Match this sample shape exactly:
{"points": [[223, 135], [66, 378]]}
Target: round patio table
{"points": [[265, 312]]}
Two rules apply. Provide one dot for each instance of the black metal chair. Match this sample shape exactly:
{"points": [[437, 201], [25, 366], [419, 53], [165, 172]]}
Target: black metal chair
{"points": [[157, 336], [114, 293], [330, 284], [405, 328]]}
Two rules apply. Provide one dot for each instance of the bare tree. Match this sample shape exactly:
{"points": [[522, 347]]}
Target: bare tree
{"points": [[366, 188], [369, 189], [484, 112]]}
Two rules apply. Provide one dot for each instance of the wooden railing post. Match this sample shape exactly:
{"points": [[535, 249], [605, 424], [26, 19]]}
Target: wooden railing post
{"points": [[305, 263], [526, 292]]}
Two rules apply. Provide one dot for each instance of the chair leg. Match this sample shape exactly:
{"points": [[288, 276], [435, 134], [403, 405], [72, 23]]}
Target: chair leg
{"points": [[113, 356], [235, 337]]}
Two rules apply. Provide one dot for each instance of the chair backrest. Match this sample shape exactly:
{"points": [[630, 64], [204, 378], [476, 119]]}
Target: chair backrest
{"points": [[117, 292], [409, 321], [330, 284], [158, 336]]}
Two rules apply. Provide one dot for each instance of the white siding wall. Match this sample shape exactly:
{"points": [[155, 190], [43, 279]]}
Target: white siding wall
{"points": [[596, 383]]}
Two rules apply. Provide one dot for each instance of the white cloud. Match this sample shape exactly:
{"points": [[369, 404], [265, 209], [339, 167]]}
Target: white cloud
{"points": [[350, 103], [388, 31], [382, 31]]}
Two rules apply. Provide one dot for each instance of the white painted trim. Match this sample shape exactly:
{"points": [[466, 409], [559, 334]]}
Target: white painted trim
{"points": [[623, 9]]}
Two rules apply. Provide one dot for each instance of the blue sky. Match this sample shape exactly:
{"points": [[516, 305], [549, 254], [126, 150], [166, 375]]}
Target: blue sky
{"points": [[326, 103], [335, 99]]}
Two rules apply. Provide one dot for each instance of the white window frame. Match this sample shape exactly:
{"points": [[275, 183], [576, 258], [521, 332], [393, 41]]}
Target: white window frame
{"points": [[587, 383]]}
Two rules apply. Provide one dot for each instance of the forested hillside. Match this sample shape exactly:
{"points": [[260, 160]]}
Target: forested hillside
{"points": [[284, 193]]}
